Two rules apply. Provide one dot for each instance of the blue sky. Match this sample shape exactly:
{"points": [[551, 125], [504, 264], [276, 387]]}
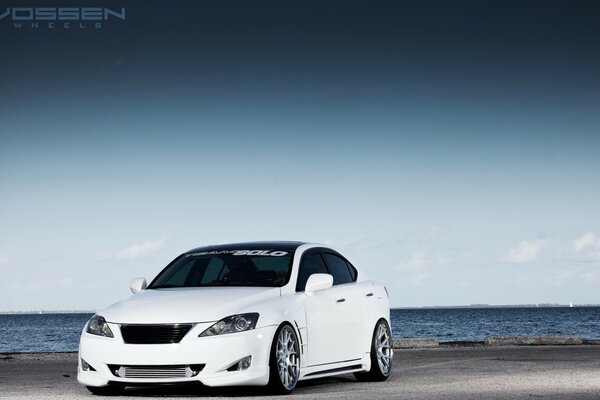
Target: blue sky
{"points": [[450, 151]]}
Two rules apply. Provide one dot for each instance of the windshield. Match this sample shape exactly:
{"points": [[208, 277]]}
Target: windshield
{"points": [[268, 268]]}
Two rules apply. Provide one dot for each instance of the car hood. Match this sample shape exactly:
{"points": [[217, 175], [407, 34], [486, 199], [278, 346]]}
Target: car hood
{"points": [[179, 305]]}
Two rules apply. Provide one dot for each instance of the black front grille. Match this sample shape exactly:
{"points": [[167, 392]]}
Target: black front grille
{"points": [[154, 334]]}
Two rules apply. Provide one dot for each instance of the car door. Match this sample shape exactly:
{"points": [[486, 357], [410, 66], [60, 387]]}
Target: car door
{"points": [[334, 315], [344, 281], [325, 315]]}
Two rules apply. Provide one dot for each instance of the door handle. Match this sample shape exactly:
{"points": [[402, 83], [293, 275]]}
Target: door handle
{"points": [[340, 300], [369, 294]]}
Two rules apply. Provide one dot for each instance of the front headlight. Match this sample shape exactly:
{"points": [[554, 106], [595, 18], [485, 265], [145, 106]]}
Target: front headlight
{"points": [[98, 326], [232, 324]]}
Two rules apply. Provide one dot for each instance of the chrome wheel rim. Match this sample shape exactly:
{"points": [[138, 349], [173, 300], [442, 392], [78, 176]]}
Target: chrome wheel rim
{"points": [[383, 347], [288, 360]]}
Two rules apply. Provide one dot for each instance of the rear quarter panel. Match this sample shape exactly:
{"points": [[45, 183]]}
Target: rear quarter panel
{"points": [[376, 306]]}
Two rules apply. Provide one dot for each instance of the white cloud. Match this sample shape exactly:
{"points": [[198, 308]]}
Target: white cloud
{"points": [[434, 232], [526, 251], [5, 259], [586, 241], [418, 259], [415, 270], [587, 248], [342, 245], [137, 250], [46, 285]]}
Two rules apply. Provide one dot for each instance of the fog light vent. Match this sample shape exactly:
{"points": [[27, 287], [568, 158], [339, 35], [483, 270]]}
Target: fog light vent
{"points": [[241, 365], [85, 366]]}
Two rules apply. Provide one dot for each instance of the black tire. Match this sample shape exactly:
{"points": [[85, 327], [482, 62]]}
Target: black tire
{"points": [[110, 390], [276, 385], [377, 373]]}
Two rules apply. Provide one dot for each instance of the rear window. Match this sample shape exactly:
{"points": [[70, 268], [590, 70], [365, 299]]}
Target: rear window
{"points": [[268, 268]]}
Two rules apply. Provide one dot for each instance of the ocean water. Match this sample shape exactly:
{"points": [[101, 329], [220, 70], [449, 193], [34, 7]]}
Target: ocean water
{"points": [[474, 324], [60, 332], [26, 333]]}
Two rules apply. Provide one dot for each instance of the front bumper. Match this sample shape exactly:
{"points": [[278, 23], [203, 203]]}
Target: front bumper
{"points": [[217, 353]]}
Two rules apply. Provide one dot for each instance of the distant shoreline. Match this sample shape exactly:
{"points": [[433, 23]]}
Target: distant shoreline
{"points": [[471, 306], [38, 312], [478, 306]]}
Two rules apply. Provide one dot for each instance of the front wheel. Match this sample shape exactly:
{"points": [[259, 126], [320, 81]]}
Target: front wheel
{"points": [[284, 361], [382, 354]]}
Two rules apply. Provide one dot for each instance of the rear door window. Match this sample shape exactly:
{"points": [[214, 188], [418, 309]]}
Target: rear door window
{"points": [[352, 270], [338, 268]]}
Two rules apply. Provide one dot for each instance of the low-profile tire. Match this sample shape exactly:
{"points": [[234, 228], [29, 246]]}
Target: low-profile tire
{"points": [[382, 354], [284, 361], [110, 390]]}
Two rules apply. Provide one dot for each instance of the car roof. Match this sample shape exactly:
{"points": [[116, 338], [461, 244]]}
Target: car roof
{"points": [[268, 245]]}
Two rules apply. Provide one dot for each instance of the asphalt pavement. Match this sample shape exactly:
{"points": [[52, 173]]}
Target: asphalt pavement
{"points": [[525, 372]]}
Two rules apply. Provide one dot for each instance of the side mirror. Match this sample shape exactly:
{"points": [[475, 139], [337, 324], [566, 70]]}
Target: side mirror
{"points": [[138, 284], [318, 282]]}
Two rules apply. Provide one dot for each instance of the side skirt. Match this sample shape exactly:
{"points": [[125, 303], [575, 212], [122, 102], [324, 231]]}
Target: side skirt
{"points": [[320, 371], [334, 371]]}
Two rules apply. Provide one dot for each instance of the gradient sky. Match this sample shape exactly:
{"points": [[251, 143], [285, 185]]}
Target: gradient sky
{"points": [[450, 149]]}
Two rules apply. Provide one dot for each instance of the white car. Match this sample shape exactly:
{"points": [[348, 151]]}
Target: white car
{"points": [[264, 313]]}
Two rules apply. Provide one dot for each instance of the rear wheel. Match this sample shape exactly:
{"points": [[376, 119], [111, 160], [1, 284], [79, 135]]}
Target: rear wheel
{"points": [[284, 362], [110, 390], [382, 354]]}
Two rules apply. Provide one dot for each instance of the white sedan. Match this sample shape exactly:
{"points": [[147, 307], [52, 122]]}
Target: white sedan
{"points": [[263, 313]]}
